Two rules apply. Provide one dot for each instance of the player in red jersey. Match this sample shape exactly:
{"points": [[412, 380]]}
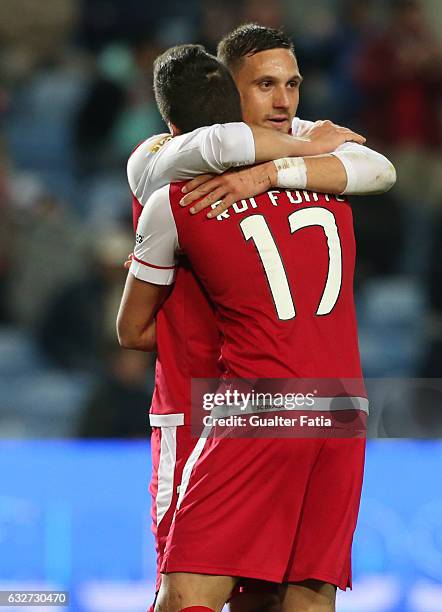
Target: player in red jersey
{"points": [[194, 350], [286, 311]]}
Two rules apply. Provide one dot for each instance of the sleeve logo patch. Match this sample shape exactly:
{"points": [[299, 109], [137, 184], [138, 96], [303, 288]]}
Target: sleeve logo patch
{"points": [[159, 143], [139, 238]]}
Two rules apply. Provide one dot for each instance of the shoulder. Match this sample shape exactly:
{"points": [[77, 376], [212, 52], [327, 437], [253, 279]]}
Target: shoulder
{"points": [[140, 156]]}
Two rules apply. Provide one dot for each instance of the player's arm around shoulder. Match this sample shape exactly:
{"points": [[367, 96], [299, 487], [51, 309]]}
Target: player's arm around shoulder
{"points": [[150, 276], [164, 159], [317, 169], [214, 149]]}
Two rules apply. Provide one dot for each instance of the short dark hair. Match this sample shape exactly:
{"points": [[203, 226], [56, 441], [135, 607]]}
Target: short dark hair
{"points": [[193, 89], [248, 39]]}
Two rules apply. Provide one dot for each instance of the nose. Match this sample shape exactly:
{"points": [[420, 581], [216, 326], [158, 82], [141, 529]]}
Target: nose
{"points": [[281, 98]]}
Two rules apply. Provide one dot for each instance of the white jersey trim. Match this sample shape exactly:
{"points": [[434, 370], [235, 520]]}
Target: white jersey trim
{"points": [[190, 464], [156, 241], [166, 472], [151, 274], [166, 420]]}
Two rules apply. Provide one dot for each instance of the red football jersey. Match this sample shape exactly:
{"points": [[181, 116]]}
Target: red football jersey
{"points": [[279, 269], [188, 342]]}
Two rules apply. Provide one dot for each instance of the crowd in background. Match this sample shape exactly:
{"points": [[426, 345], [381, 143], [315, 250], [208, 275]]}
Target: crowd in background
{"points": [[76, 97]]}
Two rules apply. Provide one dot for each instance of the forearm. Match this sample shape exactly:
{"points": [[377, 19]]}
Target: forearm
{"points": [[136, 326], [325, 174], [358, 171], [150, 340], [147, 341], [270, 144]]}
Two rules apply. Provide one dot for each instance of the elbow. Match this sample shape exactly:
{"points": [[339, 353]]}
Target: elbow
{"points": [[368, 172], [130, 338], [126, 341], [126, 337], [387, 178], [383, 180]]}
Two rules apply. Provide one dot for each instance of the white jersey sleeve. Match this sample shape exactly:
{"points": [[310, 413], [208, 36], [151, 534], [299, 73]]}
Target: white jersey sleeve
{"points": [[156, 241], [162, 159], [368, 172], [301, 126]]}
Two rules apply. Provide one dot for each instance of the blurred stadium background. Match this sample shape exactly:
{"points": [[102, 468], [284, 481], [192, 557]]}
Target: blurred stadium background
{"points": [[75, 98]]}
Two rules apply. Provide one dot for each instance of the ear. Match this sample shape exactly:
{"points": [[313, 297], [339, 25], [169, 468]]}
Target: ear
{"points": [[173, 129]]}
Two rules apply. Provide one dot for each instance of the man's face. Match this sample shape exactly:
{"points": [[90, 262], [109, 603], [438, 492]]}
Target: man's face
{"points": [[269, 86]]}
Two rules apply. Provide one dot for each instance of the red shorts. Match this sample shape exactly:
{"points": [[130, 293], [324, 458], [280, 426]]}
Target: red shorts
{"points": [[280, 510], [171, 445]]}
